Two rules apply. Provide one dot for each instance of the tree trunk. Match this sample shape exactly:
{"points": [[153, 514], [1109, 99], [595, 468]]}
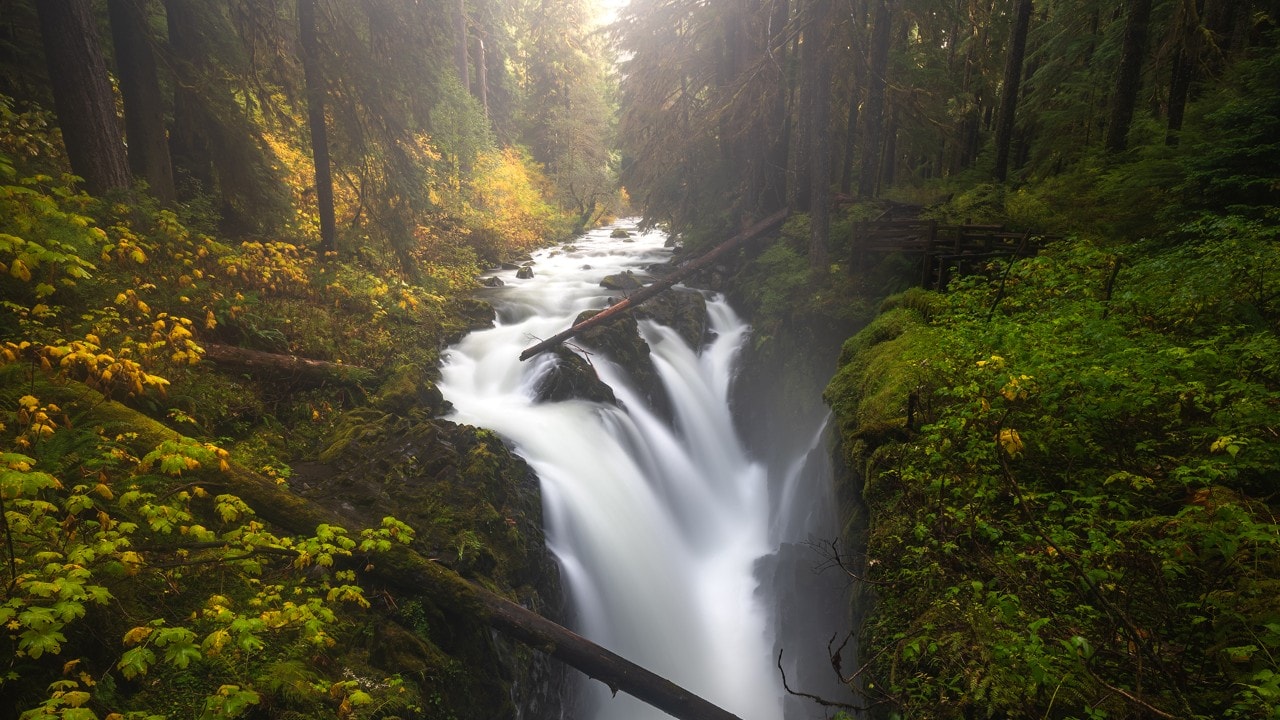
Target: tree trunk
{"points": [[1129, 77], [406, 570], [460, 44], [666, 282], [82, 95], [774, 192], [314, 79], [1185, 61], [482, 76], [188, 137], [819, 134], [850, 138], [1009, 91], [143, 104], [874, 114]]}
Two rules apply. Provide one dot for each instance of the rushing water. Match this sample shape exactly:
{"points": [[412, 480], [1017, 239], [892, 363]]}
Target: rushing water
{"points": [[657, 526]]}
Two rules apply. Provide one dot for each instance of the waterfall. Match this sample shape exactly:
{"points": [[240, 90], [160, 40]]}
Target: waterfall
{"points": [[658, 525]]}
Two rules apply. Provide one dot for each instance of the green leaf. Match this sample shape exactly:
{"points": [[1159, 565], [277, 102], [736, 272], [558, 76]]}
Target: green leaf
{"points": [[136, 661]]}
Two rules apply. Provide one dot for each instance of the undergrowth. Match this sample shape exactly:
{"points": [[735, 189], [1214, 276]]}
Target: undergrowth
{"points": [[1071, 478]]}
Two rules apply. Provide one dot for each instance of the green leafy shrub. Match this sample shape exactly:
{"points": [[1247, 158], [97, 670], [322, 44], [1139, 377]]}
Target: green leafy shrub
{"points": [[1071, 484]]}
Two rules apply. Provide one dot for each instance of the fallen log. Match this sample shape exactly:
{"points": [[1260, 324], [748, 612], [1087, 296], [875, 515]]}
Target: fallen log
{"points": [[658, 286], [406, 569], [300, 370]]}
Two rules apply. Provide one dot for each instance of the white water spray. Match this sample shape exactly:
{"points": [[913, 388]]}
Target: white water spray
{"points": [[657, 529]]}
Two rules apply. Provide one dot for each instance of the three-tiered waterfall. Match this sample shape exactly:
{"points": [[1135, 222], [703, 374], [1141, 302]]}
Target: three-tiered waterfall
{"points": [[658, 525]]}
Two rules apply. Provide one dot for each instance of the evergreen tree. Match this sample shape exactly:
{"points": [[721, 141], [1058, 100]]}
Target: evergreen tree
{"points": [[144, 111], [82, 95]]}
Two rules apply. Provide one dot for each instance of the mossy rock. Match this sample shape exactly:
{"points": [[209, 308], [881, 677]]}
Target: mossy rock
{"points": [[619, 233], [412, 387], [619, 340], [623, 281], [472, 503], [572, 377], [683, 310]]}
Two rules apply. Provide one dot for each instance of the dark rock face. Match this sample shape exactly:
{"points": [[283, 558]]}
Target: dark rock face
{"points": [[475, 507], [572, 377], [492, 282], [620, 341], [621, 281], [525, 272], [683, 310]]}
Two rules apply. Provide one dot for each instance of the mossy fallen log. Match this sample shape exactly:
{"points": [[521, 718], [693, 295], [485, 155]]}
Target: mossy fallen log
{"points": [[298, 370], [406, 569], [653, 289]]}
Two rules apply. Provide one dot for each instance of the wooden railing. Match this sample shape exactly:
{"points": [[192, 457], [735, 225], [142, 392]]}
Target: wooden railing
{"points": [[943, 249]]}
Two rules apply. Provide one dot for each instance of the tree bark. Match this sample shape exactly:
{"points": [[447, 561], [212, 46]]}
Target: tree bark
{"points": [[850, 138], [314, 79], [649, 291], [874, 114], [189, 138], [1128, 78], [300, 371], [405, 569], [819, 131], [460, 44], [143, 103], [1009, 91], [774, 191], [1185, 61], [82, 95], [482, 76]]}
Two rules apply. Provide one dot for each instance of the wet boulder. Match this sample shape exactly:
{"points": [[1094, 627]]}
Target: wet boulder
{"points": [[491, 282], [572, 377], [525, 272], [619, 233], [621, 281], [619, 340], [683, 310]]}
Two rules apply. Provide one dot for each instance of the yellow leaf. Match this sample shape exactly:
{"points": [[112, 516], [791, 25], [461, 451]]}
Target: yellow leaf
{"points": [[19, 270], [138, 634], [138, 256], [1011, 441]]}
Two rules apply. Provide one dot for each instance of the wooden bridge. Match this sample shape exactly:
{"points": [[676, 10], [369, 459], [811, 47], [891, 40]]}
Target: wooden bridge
{"points": [[943, 249]]}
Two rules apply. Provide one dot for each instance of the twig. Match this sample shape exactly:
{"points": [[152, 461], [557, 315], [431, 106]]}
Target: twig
{"points": [[835, 558], [821, 701], [1131, 697], [1005, 277]]}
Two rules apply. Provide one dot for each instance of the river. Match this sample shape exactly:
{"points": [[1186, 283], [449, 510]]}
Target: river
{"points": [[658, 526]]}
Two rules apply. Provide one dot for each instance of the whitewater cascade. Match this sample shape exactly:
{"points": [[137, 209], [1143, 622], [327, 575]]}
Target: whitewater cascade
{"points": [[657, 527]]}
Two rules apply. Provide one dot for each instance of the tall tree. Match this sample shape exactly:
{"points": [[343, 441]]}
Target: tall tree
{"points": [[817, 63], [1124, 98], [82, 94], [1190, 39], [314, 80], [1009, 89], [878, 68], [460, 43], [143, 102]]}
